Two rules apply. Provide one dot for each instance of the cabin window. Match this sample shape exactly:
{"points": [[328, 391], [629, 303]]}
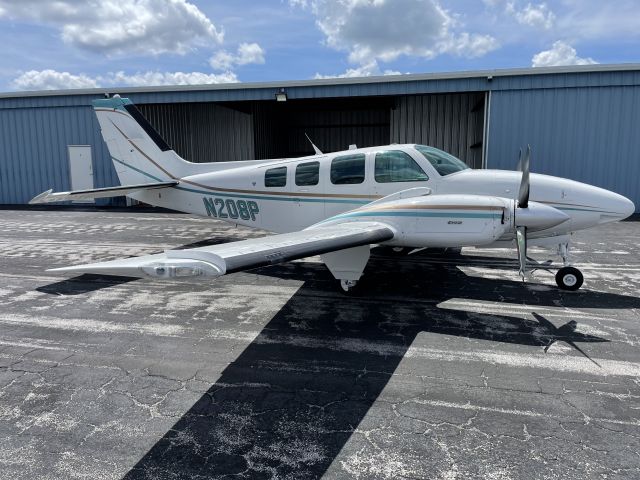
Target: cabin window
{"points": [[348, 169], [307, 173], [275, 177], [397, 166]]}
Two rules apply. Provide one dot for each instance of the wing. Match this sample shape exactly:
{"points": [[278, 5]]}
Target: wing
{"points": [[48, 196], [217, 260]]}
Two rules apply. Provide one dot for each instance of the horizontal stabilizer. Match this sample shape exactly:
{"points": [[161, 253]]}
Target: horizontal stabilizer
{"points": [[49, 196], [216, 260]]}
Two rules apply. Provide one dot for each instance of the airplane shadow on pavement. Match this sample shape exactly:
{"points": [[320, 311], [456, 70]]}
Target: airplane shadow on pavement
{"points": [[85, 283], [289, 403]]}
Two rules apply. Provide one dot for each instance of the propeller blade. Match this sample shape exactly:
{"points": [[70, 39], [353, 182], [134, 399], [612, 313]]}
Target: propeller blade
{"points": [[521, 241], [523, 195], [519, 166]]}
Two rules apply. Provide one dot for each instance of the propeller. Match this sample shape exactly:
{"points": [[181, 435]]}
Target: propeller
{"points": [[531, 216], [521, 242], [523, 202], [523, 166]]}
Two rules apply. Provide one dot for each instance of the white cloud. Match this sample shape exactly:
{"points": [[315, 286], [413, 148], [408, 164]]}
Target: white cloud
{"points": [[534, 15], [120, 26], [467, 45], [169, 78], [51, 80], [561, 53], [595, 19], [365, 70], [54, 80], [247, 53], [383, 30], [577, 19]]}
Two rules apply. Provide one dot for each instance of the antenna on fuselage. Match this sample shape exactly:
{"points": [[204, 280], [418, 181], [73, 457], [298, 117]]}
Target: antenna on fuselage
{"points": [[315, 149]]}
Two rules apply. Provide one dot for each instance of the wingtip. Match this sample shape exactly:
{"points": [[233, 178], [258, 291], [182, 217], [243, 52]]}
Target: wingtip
{"points": [[41, 198], [61, 269]]}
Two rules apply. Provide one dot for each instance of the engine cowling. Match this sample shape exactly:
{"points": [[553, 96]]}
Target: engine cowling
{"points": [[442, 220]]}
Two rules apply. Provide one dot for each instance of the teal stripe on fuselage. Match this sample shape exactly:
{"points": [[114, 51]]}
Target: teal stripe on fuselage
{"points": [[582, 210], [253, 197], [392, 213], [139, 171]]}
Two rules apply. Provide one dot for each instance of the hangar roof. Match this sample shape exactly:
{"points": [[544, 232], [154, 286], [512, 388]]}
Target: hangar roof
{"points": [[482, 80]]}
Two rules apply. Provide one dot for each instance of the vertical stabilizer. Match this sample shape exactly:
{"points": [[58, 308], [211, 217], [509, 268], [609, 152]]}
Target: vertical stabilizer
{"points": [[139, 153]]}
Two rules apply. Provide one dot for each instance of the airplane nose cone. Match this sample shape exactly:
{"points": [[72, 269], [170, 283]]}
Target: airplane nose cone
{"points": [[620, 206], [627, 208]]}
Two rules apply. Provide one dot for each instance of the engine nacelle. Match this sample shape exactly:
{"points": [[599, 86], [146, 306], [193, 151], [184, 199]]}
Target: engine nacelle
{"points": [[443, 220]]}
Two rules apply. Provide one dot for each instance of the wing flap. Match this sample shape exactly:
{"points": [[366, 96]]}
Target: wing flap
{"points": [[49, 196], [217, 260]]}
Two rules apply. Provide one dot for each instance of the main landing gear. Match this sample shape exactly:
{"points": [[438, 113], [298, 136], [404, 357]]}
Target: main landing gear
{"points": [[348, 286]]}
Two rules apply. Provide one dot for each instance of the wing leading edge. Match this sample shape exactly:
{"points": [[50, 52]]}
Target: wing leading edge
{"points": [[217, 260]]}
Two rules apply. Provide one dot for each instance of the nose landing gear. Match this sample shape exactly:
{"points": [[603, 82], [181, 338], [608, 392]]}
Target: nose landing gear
{"points": [[568, 277]]}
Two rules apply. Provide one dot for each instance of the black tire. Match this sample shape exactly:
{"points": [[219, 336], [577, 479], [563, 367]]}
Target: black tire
{"points": [[353, 291], [569, 278]]}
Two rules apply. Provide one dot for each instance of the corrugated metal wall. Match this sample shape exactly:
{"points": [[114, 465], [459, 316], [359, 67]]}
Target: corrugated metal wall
{"points": [[452, 122], [33, 150], [587, 134], [581, 124], [332, 124], [203, 132]]}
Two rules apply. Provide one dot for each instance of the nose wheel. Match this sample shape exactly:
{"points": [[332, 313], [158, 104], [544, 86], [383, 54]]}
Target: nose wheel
{"points": [[569, 278]]}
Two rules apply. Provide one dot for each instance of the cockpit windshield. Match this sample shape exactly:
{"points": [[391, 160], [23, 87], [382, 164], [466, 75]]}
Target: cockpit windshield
{"points": [[444, 163]]}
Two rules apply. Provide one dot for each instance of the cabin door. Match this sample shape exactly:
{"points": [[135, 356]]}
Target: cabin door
{"points": [[307, 193]]}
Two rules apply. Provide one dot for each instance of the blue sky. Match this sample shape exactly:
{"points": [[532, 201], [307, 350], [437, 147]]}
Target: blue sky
{"points": [[89, 43]]}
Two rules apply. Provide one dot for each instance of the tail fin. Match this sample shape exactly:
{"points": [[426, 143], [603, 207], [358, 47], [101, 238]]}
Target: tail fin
{"points": [[139, 153]]}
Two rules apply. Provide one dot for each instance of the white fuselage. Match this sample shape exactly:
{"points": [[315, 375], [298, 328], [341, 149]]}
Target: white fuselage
{"points": [[240, 195]]}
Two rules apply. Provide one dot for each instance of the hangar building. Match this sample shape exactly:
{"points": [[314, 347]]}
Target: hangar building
{"points": [[583, 122]]}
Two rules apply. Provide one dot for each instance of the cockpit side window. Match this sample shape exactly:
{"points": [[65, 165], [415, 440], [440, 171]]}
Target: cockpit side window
{"points": [[444, 163], [348, 169], [397, 166]]}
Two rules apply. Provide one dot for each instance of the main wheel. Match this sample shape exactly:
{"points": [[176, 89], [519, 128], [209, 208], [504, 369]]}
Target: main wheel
{"points": [[348, 286], [569, 278]]}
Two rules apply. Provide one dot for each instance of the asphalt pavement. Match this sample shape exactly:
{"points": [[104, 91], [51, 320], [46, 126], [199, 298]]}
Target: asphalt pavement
{"points": [[445, 367]]}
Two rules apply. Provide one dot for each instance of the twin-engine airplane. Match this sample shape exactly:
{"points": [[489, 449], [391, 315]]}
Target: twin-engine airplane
{"points": [[337, 205]]}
